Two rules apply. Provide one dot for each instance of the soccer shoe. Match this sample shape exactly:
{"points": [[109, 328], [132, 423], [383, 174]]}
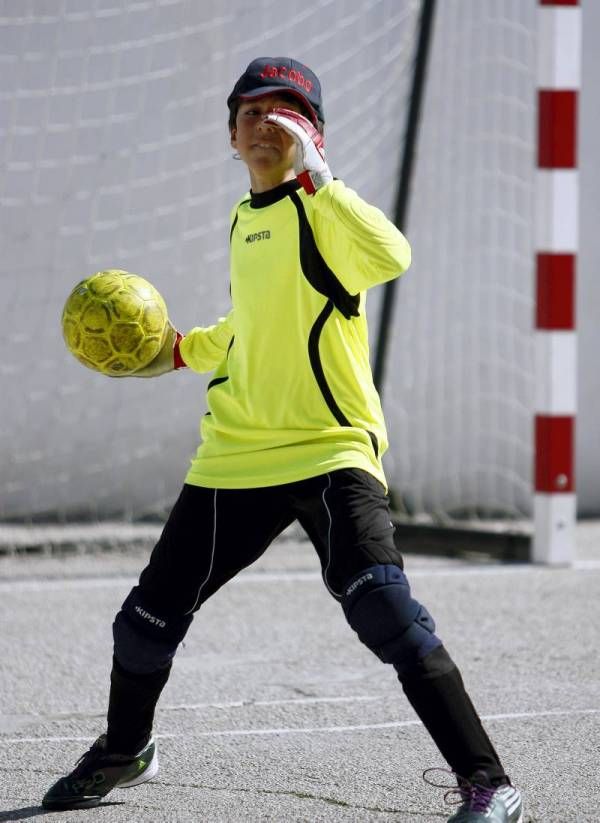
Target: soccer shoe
{"points": [[482, 802], [97, 772]]}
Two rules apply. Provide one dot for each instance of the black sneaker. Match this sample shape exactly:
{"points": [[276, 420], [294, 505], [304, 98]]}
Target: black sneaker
{"points": [[97, 772]]}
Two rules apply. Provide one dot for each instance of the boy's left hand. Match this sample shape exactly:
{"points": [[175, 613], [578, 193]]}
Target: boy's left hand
{"points": [[311, 169]]}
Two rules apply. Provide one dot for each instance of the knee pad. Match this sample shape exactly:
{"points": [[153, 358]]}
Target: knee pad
{"points": [[396, 627], [145, 641]]}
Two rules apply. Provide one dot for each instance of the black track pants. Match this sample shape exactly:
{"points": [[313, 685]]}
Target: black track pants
{"points": [[212, 534]]}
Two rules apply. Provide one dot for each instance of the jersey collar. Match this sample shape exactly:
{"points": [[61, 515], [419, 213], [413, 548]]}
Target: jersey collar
{"points": [[267, 198]]}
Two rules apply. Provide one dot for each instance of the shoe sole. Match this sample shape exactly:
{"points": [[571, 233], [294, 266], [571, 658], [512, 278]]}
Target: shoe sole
{"points": [[148, 773]]}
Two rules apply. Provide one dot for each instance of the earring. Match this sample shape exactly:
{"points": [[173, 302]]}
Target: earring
{"points": [[236, 155]]}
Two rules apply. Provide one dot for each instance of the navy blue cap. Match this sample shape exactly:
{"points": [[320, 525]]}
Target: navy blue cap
{"points": [[269, 75]]}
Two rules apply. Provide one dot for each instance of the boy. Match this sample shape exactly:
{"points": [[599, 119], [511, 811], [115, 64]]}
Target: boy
{"points": [[294, 431]]}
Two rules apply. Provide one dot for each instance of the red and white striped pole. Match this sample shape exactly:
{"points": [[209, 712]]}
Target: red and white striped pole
{"points": [[557, 201]]}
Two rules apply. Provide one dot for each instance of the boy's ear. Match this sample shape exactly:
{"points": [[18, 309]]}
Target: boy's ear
{"points": [[233, 137]]}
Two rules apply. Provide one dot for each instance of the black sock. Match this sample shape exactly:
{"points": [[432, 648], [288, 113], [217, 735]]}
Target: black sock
{"points": [[133, 698], [436, 692]]}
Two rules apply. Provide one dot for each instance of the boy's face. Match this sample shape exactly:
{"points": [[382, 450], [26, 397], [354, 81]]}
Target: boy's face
{"points": [[267, 150]]}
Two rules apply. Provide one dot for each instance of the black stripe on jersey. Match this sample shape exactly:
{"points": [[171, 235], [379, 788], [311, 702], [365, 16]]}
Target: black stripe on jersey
{"points": [[315, 362], [235, 219], [374, 443], [216, 382], [316, 270], [317, 367]]}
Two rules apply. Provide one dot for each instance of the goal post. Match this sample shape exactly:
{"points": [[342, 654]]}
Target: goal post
{"points": [[556, 233]]}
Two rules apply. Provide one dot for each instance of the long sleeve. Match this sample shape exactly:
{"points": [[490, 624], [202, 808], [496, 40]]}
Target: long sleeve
{"points": [[356, 239], [202, 349]]}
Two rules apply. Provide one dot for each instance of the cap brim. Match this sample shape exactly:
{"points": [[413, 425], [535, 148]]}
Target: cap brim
{"points": [[264, 91]]}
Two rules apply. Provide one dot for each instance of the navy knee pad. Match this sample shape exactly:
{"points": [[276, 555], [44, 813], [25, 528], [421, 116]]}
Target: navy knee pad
{"points": [[146, 641], [396, 627]]}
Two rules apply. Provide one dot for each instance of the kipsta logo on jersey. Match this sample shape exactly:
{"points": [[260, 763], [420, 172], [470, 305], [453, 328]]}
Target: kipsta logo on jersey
{"points": [[258, 235]]}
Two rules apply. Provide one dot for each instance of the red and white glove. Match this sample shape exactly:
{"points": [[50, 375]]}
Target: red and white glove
{"points": [[311, 169], [169, 357]]}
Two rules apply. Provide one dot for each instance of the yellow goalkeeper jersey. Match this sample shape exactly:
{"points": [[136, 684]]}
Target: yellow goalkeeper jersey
{"points": [[292, 394]]}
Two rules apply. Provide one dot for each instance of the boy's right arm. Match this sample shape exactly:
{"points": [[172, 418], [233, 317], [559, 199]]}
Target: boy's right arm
{"points": [[356, 239]]}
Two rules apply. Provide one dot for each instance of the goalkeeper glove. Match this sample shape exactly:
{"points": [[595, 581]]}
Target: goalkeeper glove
{"points": [[311, 169], [168, 359]]}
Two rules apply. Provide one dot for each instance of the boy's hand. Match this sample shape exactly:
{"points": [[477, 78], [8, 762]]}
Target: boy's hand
{"points": [[168, 359], [311, 169]]}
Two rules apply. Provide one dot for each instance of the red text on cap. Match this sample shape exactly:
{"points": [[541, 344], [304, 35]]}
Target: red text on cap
{"points": [[292, 75]]}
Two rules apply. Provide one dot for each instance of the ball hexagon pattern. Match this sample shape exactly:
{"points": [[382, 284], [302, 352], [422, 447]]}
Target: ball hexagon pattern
{"points": [[114, 322]]}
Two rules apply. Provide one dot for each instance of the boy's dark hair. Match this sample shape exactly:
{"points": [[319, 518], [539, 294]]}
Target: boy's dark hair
{"points": [[292, 98]]}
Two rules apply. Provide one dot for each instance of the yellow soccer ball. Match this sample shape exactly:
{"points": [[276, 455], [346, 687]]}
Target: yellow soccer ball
{"points": [[114, 322]]}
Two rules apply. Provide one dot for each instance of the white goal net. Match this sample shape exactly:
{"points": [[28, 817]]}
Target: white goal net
{"points": [[459, 397], [115, 155]]}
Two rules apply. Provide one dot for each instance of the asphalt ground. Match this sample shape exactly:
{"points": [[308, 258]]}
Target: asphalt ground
{"points": [[275, 711]]}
